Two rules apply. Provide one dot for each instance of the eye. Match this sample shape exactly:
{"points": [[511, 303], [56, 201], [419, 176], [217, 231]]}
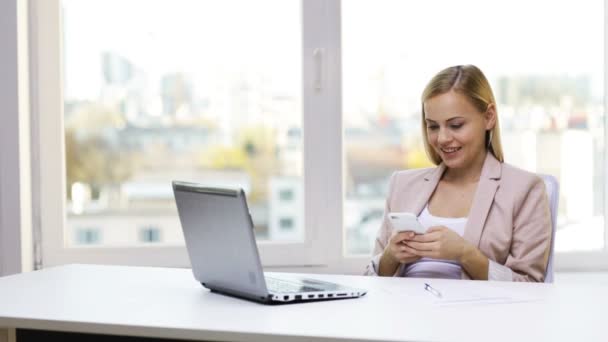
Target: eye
{"points": [[432, 127], [456, 126]]}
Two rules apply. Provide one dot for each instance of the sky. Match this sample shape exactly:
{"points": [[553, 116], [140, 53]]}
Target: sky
{"points": [[408, 40]]}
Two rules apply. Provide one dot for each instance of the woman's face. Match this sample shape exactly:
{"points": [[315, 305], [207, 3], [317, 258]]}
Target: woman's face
{"points": [[456, 129]]}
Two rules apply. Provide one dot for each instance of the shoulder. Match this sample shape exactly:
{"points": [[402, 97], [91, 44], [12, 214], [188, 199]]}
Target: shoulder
{"points": [[518, 178], [521, 185]]}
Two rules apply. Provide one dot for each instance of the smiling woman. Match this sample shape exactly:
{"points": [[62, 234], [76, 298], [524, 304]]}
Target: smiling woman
{"points": [[550, 103], [486, 220], [461, 100]]}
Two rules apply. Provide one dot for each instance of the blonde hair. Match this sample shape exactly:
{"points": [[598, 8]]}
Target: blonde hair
{"points": [[469, 81]]}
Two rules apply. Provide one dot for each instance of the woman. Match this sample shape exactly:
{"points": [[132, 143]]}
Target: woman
{"points": [[486, 219]]}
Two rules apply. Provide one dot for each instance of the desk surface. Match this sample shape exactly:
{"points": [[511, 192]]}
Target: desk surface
{"points": [[169, 303]]}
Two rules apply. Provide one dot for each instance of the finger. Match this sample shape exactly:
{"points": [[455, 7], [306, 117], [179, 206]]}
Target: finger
{"points": [[401, 237], [411, 250], [426, 254], [421, 246], [404, 252], [406, 235], [398, 250], [428, 237], [436, 229], [395, 238]]}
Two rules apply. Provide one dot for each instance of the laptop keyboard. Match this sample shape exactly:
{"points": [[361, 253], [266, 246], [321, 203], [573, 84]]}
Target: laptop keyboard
{"points": [[282, 286]]}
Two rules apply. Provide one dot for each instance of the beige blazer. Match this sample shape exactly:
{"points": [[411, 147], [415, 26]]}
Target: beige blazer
{"points": [[509, 220]]}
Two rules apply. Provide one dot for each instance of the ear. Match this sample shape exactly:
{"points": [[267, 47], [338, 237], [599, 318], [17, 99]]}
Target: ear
{"points": [[490, 116]]}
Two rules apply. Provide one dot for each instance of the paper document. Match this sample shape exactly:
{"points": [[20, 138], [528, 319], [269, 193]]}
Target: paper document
{"points": [[458, 293], [479, 294]]}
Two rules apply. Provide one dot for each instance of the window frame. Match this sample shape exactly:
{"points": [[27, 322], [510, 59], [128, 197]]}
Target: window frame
{"points": [[47, 100], [15, 169], [324, 248]]}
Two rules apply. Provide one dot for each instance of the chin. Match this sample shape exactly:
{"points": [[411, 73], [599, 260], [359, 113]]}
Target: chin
{"points": [[454, 163]]}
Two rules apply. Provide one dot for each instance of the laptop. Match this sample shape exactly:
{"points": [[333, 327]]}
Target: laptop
{"points": [[220, 240]]}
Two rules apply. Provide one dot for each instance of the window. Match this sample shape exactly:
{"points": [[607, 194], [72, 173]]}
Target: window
{"points": [[310, 119], [286, 224], [286, 195], [547, 79], [179, 104], [150, 234], [88, 236], [194, 91]]}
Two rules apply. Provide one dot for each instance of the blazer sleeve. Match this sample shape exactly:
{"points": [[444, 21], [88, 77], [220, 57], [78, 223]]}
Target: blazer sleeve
{"points": [[531, 240], [383, 235]]}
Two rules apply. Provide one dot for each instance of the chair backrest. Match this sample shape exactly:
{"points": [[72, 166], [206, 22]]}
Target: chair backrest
{"points": [[553, 194]]}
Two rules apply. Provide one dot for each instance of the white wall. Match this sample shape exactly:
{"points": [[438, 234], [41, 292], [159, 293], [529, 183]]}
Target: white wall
{"points": [[15, 194]]}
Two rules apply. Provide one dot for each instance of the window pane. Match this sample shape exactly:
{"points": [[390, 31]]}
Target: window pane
{"points": [[547, 77], [202, 91]]}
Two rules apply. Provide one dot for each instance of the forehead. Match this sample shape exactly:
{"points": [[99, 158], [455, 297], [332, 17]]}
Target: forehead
{"points": [[449, 105]]}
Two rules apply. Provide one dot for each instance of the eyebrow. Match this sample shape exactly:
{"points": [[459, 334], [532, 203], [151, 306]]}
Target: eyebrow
{"points": [[448, 120]]}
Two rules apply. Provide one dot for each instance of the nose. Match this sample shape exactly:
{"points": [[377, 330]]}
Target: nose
{"points": [[443, 136]]}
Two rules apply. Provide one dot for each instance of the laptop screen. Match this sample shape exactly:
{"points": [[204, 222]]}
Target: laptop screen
{"points": [[219, 238]]}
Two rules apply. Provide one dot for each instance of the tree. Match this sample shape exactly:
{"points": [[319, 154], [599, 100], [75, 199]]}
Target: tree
{"points": [[254, 152], [93, 153]]}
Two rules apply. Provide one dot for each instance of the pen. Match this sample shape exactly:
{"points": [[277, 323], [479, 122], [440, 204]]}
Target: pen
{"points": [[432, 290]]}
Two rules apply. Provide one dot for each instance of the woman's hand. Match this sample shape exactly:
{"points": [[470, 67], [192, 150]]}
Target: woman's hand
{"points": [[438, 243], [396, 249]]}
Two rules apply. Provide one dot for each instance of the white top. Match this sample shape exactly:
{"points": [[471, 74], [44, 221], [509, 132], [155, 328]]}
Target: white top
{"points": [[436, 268], [169, 303]]}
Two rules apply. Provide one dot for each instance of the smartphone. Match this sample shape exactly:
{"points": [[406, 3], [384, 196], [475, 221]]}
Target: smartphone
{"points": [[406, 222]]}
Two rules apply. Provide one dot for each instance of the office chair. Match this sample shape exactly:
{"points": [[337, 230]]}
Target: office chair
{"points": [[553, 193]]}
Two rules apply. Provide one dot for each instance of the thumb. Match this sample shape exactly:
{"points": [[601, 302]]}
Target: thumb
{"points": [[435, 229]]}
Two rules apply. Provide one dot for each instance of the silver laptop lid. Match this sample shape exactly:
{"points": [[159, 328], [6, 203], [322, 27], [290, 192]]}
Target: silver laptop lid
{"points": [[220, 239]]}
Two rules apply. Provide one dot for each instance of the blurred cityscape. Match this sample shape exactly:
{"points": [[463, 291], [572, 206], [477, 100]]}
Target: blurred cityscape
{"points": [[123, 150], [196, 91]]}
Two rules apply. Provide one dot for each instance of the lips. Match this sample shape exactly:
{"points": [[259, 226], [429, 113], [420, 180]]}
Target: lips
{"points": [[450, 150]]}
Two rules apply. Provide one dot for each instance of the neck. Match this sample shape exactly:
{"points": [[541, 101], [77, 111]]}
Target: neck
{"points": [[469, 174]]}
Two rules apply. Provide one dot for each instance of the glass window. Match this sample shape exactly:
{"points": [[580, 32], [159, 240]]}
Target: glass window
{"points": [[179, 90], [546, 69], [286, 223], [88, 236], [150, 234], [286, 195]]}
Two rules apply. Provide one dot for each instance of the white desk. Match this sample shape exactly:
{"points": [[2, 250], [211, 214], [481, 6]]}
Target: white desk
{"points": [[169, 303]]}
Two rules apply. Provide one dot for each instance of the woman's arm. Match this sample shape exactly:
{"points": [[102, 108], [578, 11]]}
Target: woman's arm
{"points": [[388, 265], [531, 240], [474, 262], [382, 237], [389, 248], [395, 255]]}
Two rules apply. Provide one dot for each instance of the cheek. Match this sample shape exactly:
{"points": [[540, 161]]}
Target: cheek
{"points": [[468, 136]]}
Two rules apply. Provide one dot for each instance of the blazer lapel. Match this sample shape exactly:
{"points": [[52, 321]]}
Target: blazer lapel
{"points": [[484, 196], [430, 184]]}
